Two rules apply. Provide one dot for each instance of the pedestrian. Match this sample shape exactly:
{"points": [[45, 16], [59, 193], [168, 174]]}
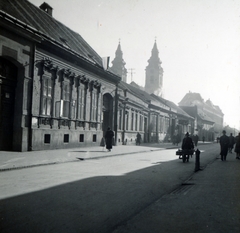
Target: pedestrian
{"points": [[178, 139], [203, 139], [187, 146], [109, 138], [196, 140], [231, 143], [138, 139], [224, 144], [237, 146]]}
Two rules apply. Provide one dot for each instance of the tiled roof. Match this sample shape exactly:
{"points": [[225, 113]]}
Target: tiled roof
{"points": [[38, 19]]}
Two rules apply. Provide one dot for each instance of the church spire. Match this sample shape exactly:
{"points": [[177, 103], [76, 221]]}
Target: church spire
{"points": [[154, 73], [118, 64]]}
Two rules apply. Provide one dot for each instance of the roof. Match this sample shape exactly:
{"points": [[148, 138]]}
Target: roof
{"points": [[44, 23], [191, 99], [136, 91], [173, 106]]}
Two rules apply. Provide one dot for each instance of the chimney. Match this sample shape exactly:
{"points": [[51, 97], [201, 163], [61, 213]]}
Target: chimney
{"points": [[45, 7]]}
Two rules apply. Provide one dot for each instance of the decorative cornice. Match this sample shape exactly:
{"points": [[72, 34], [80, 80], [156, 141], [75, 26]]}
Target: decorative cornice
{"points": [[48, 65], [68, 73]]}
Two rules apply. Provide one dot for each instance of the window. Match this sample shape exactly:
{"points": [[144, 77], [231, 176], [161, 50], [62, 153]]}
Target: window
{"points": [[66, 138], [136, 121], [141, 123], [94, 137], [46, 103], [167, 122], [81, 138], [120, 119], [81, 103], [127, 120], [47, 138], [94, 106], [132, 120], [65, 99]]}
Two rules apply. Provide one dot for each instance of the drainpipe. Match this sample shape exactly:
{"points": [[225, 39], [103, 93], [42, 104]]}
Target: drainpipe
{"points": [[31, 91], [124, 118], [116, 114]]}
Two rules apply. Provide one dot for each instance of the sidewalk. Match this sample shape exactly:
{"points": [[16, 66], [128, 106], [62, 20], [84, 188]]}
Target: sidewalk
{"points": [[207, 203], [15, 160]]}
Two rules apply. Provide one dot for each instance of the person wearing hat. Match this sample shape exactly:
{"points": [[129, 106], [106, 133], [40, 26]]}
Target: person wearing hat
{"points": [[224, 144], [187, 146], [109, 138]]}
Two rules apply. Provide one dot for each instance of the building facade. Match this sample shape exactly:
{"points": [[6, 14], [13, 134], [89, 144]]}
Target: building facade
{"points": [[52, 83], [208, 117], [56, 91]]}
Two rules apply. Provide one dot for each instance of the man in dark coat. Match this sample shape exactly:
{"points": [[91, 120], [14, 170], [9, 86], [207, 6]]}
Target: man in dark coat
{"points": [[187, 145], [138, 139], [224, 144], [109, 138], [231, 142]]}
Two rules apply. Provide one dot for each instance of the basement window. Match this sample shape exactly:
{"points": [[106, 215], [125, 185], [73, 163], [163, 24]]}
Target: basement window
{"points": [[66, 138], [81, 138], [47, 138], [94, 137]]}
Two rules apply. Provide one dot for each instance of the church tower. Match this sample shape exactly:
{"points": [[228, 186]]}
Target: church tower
{"points": [[118, 64], [154, 73]]}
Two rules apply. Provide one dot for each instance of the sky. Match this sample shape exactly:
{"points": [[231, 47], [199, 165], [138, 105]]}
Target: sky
{"points": [[198, 43]]}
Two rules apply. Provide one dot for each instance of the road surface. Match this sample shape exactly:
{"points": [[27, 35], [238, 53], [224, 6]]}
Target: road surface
{"points": [[91, 195]]}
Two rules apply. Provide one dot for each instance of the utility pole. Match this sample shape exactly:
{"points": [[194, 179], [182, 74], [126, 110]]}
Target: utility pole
{"points": [[131, 73]]}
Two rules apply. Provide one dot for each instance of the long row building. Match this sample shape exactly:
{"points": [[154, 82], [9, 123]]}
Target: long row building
{"points": [[57, 92]]}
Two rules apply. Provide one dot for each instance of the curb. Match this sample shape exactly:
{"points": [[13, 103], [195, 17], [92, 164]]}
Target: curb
{"points": [[78, 159]]}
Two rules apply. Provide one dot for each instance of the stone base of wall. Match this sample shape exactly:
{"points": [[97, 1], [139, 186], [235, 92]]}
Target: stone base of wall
{"points": [[49, 139]]}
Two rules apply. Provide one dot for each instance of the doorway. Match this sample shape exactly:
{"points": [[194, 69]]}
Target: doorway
{"points": [[8, 78], [107, 112]]}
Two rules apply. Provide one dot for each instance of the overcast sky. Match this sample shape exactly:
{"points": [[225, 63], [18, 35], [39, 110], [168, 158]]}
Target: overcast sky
{"points": [[198, 42]]}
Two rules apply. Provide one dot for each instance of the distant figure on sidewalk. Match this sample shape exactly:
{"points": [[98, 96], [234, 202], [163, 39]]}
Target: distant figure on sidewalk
{"points": [[196, 139], [224, 144], [178, 139], [109, 138], [138, 139], [231, 143], [187, 145], [203, 139], [237, 146]]}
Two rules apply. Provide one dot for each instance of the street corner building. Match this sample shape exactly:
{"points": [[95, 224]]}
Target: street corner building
{"points": [[52, 83], [57, 92]]}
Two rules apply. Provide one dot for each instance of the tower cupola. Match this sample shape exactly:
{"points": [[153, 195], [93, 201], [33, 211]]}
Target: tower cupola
{"points": [[154, 73], [118, 64]]}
